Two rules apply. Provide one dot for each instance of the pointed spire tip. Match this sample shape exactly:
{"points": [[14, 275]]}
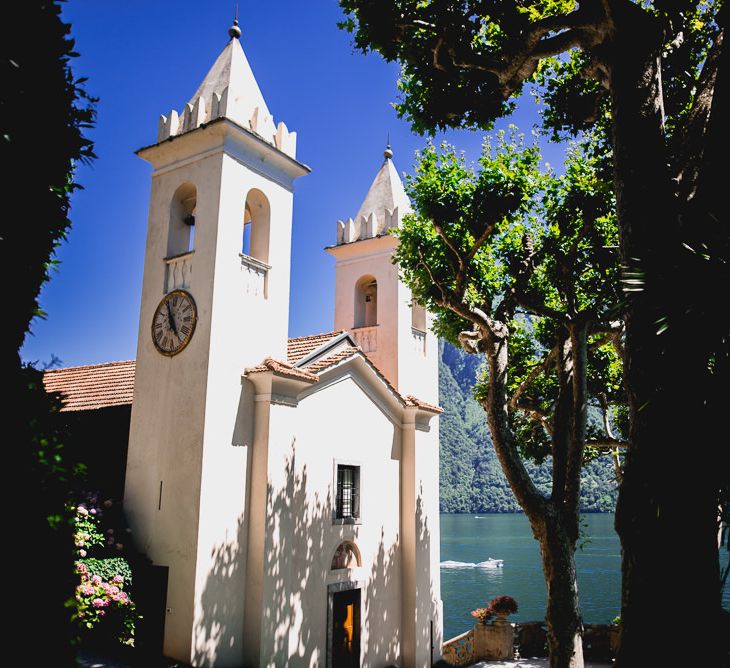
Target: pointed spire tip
{"points": [[234, 31]]}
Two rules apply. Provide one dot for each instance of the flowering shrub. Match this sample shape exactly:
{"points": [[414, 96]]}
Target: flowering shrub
{"points": [[104, 610], [89, 535], [503, 604], [483, 614], [98, 600], [86, 529]]}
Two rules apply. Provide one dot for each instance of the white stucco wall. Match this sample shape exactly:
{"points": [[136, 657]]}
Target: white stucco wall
{"points": [[167, 423], [337, 424]]}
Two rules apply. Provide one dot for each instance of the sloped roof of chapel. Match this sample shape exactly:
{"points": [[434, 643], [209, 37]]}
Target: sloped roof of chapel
{"points": [[99, 386]]}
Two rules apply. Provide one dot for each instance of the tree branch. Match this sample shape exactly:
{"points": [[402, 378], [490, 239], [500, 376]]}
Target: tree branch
{"points": [[495, 405], [612, 444], [693, 139], [531, 410], [539, 368], [607, 443], [579, 385]]}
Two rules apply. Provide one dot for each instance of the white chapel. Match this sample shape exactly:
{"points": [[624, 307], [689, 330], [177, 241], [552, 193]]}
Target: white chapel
{"points": [[290, 486]]}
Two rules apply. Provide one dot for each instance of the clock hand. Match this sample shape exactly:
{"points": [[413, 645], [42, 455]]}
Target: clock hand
{"points": [[171, 320]]}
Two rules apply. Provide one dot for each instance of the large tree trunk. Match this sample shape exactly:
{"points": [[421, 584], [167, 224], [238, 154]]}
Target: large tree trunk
{"points": [[667, 504], [554, 522], [563, 616]]}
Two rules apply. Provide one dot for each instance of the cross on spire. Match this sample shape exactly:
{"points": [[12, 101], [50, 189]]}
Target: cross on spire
{"points": [[234, 31]]}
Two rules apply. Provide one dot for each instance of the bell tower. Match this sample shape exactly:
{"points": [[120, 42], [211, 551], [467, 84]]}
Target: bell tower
{"points": [[371, 302], [218, 245]]}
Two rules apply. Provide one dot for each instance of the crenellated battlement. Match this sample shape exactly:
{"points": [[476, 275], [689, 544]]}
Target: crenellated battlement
{"points": [[199, 113], [368, 227]]}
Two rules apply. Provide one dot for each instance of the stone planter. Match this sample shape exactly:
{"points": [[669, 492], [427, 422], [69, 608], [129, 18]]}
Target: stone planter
{"points": [[494, 641]]}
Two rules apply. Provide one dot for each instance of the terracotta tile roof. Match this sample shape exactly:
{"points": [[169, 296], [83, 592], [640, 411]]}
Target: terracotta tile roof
{"points": [[301, 347], [283, 369], [112, 384], [91, 387], [340, 355], [415, 401]]}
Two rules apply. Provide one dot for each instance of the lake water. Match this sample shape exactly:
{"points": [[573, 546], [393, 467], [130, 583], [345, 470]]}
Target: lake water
{"points": [[471, 539]]}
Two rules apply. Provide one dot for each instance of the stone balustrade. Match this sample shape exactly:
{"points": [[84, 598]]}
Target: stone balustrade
{"points": [[366, 338], [459, 651], [494, 642], [179, 271], [419, 340], [255, 275]]}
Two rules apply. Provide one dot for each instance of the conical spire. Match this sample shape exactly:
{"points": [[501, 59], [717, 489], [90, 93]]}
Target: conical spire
{"points": [[386, 193], [383, 208], [231, 75], [229, 90]]}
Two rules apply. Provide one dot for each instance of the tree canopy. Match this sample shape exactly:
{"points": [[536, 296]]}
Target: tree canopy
{"points": [[518, 264], [45, 114], [650, 81]]}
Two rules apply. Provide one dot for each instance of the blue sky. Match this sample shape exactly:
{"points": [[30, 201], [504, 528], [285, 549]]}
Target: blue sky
{"points": [[143, 59]]}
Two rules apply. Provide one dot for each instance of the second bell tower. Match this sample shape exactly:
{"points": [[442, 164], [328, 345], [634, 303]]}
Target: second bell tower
{"points": [[371, 302]]}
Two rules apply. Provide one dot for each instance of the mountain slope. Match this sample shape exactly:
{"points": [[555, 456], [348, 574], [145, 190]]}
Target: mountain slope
{"points": [[471, 477]]}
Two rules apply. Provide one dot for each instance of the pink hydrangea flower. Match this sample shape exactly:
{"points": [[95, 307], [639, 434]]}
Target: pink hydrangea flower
{"points": [[96, 579], [99, 603], [118, 579]]}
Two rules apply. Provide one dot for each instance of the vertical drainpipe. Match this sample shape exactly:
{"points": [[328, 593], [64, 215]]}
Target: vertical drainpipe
{"points": [[408, 535], [258, 477]]}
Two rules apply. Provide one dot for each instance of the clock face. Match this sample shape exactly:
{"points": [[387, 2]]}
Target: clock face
{"points": [[174, 322]]}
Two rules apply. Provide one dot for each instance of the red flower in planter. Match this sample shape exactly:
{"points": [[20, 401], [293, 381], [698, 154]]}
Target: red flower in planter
{"points": [[503, 604], [483, 614]]}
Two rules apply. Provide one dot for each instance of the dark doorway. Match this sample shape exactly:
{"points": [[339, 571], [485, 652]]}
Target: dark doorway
{"points": [[346, 629]]}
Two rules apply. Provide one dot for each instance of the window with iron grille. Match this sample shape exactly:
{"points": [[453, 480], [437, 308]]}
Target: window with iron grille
{"points": [[348, 492]]}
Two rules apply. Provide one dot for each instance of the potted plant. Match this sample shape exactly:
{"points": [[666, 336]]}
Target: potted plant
{"points": [[503, 606], [483, 615]]}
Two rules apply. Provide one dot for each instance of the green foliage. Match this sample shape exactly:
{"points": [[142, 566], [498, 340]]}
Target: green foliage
{"points": [[464, 63], [524, 246], [438, 82], [464, 206], [108, 569], [43, 105], [45, 112], [471, 480]]}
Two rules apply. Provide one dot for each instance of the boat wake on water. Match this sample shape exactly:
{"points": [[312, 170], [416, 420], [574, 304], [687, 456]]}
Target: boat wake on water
{"points": [[489, 563]]}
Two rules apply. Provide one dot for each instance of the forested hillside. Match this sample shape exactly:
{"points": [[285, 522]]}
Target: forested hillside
{"points": [[471, 478]]}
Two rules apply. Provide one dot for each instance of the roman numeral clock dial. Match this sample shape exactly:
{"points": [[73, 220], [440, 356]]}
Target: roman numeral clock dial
{"points": [[174, 322]]}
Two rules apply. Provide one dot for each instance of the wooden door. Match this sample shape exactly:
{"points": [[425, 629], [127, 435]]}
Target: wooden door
{"points": [[346, 629]]}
